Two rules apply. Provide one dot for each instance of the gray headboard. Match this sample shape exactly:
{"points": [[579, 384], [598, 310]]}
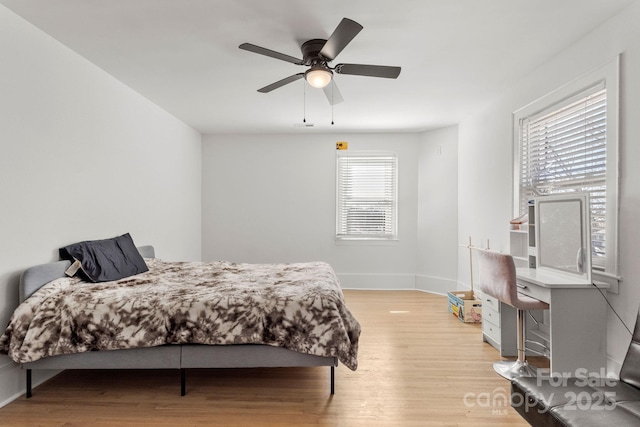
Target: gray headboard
{"points": [[34, 278]]}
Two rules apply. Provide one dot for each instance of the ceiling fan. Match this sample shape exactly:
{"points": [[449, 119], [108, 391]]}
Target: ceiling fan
{"points": [[317, 54]]}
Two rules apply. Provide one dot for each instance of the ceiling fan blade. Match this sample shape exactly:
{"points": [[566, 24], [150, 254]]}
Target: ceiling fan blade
{"points": [[271, 53], [281, 83], [342, 35], [332, 93], [368, 70]]}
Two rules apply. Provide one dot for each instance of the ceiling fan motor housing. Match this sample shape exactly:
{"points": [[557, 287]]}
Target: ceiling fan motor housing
{"points": [[311, 52]]}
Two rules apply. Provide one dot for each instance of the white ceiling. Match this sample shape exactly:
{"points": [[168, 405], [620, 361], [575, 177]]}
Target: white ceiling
{"points": [[183, 55]]}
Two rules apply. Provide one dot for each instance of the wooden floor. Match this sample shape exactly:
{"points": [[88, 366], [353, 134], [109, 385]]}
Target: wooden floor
{"points": [[418, 366]]}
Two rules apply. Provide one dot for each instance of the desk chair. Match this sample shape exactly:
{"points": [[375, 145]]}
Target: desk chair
{"points": [[497, 278]]}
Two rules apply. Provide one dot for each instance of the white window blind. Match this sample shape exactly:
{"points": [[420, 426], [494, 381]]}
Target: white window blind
{"points": [[565, 150], [366, 206]]}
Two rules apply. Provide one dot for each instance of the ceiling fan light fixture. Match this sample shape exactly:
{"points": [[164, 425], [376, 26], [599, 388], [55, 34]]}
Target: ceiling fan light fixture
{"points": [[318, 76]]}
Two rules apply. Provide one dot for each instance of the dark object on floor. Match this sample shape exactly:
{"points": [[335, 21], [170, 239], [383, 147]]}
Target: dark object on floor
{"points": [[583, 402]]}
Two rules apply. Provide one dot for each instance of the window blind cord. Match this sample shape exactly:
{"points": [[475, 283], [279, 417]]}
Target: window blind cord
{"points": [[613, 309], [584, 137]]}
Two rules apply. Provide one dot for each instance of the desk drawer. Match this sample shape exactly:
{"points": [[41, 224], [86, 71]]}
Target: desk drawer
{"points": [[534, 291], [490, 315], [492, 331], [490, 303]]}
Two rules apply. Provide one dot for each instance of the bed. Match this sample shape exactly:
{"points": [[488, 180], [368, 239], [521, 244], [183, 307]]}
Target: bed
{"points": [[183, 348]]}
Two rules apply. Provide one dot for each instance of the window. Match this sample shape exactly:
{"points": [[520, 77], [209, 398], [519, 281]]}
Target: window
{"points": [[366, 206], [571, 145]]}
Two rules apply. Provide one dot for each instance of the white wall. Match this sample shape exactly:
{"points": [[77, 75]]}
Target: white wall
{"points": [[437, 231], [271, 198], [83, 157], [485, 151]]}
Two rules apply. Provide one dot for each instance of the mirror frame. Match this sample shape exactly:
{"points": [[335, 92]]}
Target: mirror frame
{"points": [[585, 228]]}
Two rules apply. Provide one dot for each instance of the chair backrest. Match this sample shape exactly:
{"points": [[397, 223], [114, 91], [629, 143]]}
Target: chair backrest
{"points": [[630, 372], [497, 276]]}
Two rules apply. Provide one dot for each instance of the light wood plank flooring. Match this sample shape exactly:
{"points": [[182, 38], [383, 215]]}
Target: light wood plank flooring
{"points": [[418, 366]]}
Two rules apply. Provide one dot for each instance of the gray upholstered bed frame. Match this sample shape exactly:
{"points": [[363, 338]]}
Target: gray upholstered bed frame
{"points": [[182, 357]]}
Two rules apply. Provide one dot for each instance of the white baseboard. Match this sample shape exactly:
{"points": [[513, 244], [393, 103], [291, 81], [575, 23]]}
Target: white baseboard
{"points": [[13, 380], [377, 281], [435, 285], [400, 282]]}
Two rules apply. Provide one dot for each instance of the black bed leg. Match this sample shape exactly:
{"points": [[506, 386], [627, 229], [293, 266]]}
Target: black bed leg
{"points": [[183, 382], [29, 383], [333, 380]]}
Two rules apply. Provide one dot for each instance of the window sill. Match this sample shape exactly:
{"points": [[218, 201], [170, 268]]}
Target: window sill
{"points": [[364, 241], [612, 279]]}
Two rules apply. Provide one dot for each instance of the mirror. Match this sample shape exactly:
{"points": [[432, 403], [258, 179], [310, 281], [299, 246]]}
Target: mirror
{"points": [[563, 237]]}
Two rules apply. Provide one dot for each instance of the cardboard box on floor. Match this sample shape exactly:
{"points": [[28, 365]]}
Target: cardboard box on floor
{"points": [[465, 306]]}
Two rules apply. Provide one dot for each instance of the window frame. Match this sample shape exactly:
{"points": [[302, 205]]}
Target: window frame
{"points": [[608, 77], [367, 237]]}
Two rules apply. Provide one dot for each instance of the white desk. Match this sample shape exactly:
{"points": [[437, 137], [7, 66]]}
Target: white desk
{"points": [[577, 320]]}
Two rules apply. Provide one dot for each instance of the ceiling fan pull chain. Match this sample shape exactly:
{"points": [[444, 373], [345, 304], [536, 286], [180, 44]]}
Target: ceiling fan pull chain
{"points": [[304, 102], [332, 86]]}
